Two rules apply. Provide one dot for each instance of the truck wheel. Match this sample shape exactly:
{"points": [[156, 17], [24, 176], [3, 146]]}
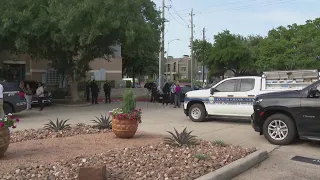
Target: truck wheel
{"points": [[279, 129], [7, 108], [197, 113]]}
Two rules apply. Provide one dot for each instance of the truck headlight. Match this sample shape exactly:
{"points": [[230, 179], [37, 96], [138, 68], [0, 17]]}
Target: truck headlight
{"points": [[186, 95]]}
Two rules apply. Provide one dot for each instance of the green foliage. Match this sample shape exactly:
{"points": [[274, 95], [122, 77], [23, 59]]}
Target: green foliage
{"points": [[128, 84], [129, 101], [184, 80], [59, 125], [181, 138], [72, 33], [103, 122], [219, 143], [5, 71], [81, 124], [201, 156]]}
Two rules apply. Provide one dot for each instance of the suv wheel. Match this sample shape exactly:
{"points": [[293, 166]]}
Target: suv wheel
{"points": [[197, 113], [7, 108], [279, 129]]}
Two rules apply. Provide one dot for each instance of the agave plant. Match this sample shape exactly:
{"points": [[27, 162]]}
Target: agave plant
{"points": [[181, 139], [59, 125], [103, 122]]}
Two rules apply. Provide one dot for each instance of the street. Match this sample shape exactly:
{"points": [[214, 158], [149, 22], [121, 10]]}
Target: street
{"points": [[158, 119]]}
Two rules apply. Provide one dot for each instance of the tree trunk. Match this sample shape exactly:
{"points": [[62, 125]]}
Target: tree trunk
{"points": [[73, 89]]}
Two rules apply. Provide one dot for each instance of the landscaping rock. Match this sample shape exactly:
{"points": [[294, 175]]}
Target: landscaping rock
{"points": [[92, 173], [154, 161], [35, 134]]}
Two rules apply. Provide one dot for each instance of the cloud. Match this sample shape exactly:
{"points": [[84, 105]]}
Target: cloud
{"points": [[285, 17]]}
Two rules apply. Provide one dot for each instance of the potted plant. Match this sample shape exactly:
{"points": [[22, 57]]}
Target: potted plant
{"points": [[5, 123], [125, 120]]}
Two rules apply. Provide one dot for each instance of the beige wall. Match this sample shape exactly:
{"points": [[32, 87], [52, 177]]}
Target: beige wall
{"points": [[35, 68]]}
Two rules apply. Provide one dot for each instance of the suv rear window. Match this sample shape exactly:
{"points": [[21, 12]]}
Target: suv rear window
{"points": [[10, 87]]}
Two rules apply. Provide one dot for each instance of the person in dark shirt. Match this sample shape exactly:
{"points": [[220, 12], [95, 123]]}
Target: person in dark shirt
{"points": [[107, 91], [166, 94], [88, 91], [153, 93], [94, 92]]}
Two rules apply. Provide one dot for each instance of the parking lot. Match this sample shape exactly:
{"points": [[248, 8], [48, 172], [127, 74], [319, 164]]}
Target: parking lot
{"points": [[158, 119]]}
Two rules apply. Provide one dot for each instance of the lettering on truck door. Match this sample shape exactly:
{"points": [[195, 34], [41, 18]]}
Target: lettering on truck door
{"points": [[219, 102]]}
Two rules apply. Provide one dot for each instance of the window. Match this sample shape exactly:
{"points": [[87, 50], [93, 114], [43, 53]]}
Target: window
{"points": [[246, 85], [53, 77], [183, 68], [227, 86], [168, 68], [174, 67]]}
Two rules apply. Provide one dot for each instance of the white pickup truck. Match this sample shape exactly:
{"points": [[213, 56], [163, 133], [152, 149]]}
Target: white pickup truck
{"points": [[233, 97]]}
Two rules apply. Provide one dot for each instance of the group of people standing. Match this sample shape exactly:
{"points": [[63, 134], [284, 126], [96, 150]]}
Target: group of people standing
{"points": [[28, 93], [94, 89], [170, 94]]}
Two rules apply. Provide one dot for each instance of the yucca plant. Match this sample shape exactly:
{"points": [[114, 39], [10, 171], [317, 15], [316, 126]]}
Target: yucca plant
{"points": [[59, 125], [103, 122], [183, 138]]}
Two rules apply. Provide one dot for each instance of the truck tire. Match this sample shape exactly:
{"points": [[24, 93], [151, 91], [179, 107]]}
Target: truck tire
{"points": [[7, 108], [279, 129], [197, 113]]}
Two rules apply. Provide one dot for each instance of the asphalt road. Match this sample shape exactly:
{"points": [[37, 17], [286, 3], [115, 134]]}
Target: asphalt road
{"points": [[158, 119]]}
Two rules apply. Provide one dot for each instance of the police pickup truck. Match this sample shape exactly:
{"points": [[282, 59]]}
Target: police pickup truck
{"points": [[233, 97]]}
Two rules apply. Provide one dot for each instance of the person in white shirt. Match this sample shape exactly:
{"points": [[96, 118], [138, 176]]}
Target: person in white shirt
{"points": [[40, 94], [1, 102]]}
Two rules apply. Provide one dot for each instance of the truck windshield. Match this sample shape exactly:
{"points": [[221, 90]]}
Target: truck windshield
{"points": [[311, 85]]}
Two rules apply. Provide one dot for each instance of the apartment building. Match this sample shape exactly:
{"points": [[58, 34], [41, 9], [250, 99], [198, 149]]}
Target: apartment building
{"points": [[177, 68], [25, 68]]}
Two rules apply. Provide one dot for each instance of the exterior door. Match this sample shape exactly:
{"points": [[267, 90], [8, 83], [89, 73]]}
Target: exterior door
{"points": [[309, 122], [244, 96], [219, 102]]}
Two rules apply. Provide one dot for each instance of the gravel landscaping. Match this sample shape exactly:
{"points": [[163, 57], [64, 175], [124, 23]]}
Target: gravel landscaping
{"points": [[35, 134], [143, 157]]}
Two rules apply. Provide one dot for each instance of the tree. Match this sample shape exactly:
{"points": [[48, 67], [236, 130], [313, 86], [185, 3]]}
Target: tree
{"points": [[140, 49], [291, 47], [230, 52], [72, 33]]}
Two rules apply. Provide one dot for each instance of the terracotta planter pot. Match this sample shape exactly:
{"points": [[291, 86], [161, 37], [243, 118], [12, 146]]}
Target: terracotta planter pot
{"points": [[124, 128], [4, 140]]}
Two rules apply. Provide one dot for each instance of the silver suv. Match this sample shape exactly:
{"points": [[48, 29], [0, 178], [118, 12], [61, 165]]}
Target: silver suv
{"points": [[13, 98]]}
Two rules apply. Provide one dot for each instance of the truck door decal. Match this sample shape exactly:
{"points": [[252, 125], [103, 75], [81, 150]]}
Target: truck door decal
{"points": [[235, 101]]}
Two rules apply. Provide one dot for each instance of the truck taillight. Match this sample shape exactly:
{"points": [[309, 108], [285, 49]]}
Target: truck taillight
{"points": [[21, 94]]}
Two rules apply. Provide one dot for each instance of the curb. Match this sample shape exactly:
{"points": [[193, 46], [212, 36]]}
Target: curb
{"points": [[72, 105], [237, 167]]}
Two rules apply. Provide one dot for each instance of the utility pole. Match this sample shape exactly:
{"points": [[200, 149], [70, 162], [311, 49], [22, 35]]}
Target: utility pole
{"points": [[203, 38], [161, 54], [191, 47]]}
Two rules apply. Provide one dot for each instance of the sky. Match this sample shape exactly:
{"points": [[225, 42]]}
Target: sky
{"points": [[245, 17]]}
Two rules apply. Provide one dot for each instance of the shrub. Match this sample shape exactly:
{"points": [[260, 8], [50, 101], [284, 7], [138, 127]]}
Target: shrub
{"points": [[128, 84], [201, 156], [181, 139], [128, 110], [129, 101], [59, 94], [219, 143], [59, 125], [9, 121], [103, 122]]}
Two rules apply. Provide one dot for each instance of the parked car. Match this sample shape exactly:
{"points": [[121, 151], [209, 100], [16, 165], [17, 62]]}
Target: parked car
{"points": [[149, 85], [184, 90], [13, 98], [47, 95], [283, 116]]}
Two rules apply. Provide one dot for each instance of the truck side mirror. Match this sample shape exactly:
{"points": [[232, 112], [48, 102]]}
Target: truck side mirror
{"points": [[212, 90]]}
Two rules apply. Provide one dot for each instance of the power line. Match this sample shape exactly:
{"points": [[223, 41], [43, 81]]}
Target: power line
{"points": [[248, 6], [176, 19], [177, 12], [222, 4]]}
